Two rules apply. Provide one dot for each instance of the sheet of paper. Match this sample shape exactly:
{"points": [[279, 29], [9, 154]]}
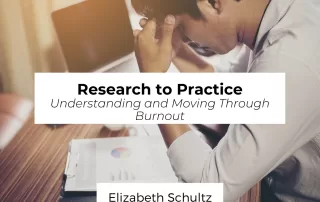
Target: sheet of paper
{"points": [[135, 159], [152, 130], [128, 159], [86, 167], [144, 130], [81, 166]]}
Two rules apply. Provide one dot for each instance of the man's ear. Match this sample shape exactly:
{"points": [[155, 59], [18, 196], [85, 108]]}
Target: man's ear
{"points": [[209, 6]]}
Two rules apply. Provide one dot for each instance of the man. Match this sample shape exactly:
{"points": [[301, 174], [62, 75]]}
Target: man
{"points": [[284, 36]]}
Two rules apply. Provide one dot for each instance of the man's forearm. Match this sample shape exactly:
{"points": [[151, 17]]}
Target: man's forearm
{"points": [[186, 61], [171, 132]]}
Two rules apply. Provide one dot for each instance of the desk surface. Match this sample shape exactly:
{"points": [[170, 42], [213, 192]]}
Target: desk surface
{"points": [[31, 166]]}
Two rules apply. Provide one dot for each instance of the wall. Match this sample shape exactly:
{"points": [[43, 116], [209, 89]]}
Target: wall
{"points": [[28, 44]]}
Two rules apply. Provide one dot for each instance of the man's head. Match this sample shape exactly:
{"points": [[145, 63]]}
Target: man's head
{"points": [[216, 24]]}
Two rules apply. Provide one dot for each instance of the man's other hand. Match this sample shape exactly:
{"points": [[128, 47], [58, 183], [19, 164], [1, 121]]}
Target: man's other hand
{"points": [[155, 55], [177, 42]]}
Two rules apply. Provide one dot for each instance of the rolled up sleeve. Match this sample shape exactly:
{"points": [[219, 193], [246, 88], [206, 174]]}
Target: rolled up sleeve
{"points": [[181, 153], [248, 153]]}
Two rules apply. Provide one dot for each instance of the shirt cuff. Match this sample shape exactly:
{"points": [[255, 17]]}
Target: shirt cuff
{"points": [[188, 155]]}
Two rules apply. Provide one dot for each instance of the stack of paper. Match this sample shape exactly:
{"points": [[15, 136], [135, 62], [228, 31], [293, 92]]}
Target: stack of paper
{"points": [[113, 160]]}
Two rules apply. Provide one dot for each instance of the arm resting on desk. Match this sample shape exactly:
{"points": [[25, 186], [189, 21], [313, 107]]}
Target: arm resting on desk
{"points": [[247, 153]]}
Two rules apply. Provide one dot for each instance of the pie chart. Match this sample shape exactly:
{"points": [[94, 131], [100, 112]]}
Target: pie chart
{"points": [[121, 152]]}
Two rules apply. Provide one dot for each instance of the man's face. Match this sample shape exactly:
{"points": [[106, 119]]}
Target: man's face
{"points": [[215, 32]]}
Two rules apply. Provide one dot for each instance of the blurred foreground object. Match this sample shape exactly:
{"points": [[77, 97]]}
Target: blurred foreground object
{"points": [[14, 112]]}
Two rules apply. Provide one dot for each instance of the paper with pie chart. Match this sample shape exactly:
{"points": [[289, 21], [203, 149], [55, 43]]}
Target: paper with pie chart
{"points": [[133, 159], [121, 152]]}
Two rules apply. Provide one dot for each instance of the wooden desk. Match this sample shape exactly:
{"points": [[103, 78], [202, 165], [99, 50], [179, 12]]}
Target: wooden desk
{"points": [[32, 165]]}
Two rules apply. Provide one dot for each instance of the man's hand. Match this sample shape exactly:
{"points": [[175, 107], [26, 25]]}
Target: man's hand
{"points": [[155, 55], [177, 42]]}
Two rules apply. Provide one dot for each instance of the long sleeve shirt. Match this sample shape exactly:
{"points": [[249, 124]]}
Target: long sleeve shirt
{"points": [[288, 41]]}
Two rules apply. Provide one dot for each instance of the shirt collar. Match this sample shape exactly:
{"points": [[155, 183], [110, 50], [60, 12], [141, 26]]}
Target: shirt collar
{"points": [[274, 13]]}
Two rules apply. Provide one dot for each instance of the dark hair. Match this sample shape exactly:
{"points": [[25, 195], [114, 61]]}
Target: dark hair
{"points": [[160, 8]]}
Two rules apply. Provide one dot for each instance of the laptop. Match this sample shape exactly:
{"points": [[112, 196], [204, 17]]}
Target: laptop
{"points": [[94, 35]]}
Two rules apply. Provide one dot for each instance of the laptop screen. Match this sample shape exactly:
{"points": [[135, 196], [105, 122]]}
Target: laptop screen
{"points": [[94, 33]]}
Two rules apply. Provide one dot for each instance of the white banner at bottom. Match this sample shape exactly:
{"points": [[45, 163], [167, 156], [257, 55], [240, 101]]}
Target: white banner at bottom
{"points": [[159, 192]]}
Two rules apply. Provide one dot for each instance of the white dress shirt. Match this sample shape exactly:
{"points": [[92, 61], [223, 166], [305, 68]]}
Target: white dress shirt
{"points": [[288, 41]]}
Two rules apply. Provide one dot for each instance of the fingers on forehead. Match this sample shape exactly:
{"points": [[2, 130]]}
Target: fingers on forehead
{"points": [[151, 24], [149, 30], [177, 22]]}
